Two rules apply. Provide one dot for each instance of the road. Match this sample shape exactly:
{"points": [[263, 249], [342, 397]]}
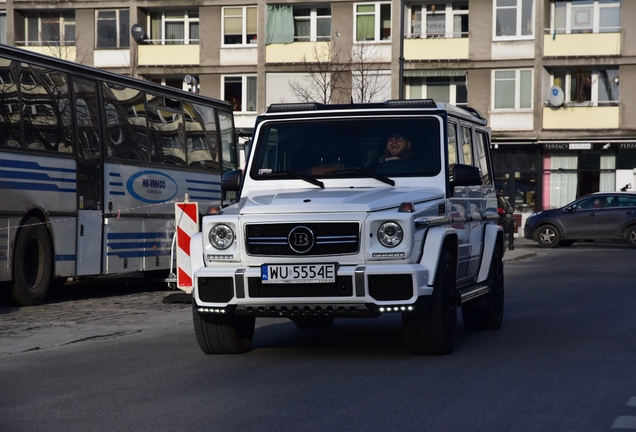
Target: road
{"points": [[117, 358]]}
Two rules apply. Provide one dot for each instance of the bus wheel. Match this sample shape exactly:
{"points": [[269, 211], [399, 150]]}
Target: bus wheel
{"points": [[32, 263], [223, 334]]}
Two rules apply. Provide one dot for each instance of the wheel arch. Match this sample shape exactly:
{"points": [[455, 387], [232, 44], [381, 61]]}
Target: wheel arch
{"points": [[493, 237], [437, 240]]}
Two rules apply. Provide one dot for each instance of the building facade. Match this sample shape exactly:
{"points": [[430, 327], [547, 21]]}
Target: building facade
{"points": [[553, 77]]}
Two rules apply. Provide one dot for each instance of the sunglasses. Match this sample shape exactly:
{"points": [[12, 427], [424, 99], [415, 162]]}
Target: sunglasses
{"points": [[395, 138]]}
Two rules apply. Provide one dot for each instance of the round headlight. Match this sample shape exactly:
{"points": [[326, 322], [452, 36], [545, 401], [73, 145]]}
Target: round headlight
{"points": [[390, 234], [221, 236]]}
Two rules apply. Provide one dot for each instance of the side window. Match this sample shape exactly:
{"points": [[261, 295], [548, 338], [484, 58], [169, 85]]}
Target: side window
{"points": [[482, 147], [452, 146], [467, 145], [200, 123], [165, 131], [126, 136]]}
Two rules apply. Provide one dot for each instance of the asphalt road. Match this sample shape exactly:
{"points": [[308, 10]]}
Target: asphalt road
{"points": [[117, 358]]}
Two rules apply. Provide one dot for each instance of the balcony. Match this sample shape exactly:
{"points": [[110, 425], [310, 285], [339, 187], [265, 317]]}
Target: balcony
{"points": [[298, 52], [168, 55], [436, 48], [58, 51], [581, 45], [581, 117], [105, 58]]}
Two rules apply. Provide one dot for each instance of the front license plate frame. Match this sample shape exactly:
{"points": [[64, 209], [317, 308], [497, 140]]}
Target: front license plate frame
{"points": [[299, 273]]}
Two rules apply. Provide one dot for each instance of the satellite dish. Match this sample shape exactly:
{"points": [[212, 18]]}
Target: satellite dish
{"points": [[138, 33], [556, 96]]}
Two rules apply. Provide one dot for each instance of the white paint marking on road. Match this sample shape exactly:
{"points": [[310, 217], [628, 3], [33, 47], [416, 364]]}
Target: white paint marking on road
{"points": [[625, 422], [632, 401]]}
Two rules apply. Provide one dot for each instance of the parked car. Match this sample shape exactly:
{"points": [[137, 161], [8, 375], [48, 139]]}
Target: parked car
{"points": [[599, 216], [505, 211]]}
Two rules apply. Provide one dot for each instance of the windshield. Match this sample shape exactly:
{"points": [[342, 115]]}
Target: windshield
{"points": [[364, 148]]}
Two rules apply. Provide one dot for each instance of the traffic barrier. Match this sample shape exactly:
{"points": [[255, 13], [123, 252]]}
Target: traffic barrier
{"points": [[187, 224]]}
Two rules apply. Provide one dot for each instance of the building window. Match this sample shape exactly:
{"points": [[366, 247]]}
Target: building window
{"points": [[113, 29], [240, 91], [239, 25], [438, 19], [589, 88], [50, 28], [373, 21], [512, 89], [174, 27], [312, 23], [513, 18], [441, 89], [586, 16], [3, 27]]}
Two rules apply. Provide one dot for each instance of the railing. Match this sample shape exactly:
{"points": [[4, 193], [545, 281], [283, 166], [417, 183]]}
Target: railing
{"points": [[432, 35], [52, 43], [563, 30], [171, 41]]}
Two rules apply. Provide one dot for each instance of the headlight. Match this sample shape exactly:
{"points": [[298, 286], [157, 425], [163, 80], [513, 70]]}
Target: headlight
{"points": [[221, 236], [390, 234]]}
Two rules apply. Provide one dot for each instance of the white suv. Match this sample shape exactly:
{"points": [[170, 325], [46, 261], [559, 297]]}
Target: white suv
{"points": [[355, 211]]}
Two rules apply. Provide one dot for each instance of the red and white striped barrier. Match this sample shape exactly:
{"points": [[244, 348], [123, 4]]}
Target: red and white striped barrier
{"points": [[187, 223]]}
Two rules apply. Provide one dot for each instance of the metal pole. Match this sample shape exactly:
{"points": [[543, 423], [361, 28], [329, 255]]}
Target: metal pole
{"points": [[401, 60]]}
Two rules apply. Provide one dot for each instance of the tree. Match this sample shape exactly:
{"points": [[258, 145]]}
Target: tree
{"points": [[366, 76]]}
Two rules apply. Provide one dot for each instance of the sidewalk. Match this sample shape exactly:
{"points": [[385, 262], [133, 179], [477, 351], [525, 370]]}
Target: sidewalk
{"points": [[523, 248]]}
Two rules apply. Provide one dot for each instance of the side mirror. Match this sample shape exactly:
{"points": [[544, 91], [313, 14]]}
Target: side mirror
{"points": [[231, 181], [466, 175]]}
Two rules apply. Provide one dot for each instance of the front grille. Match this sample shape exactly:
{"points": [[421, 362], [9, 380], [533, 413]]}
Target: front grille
{"points": [[336, 238], [391, 287], [216, 289], [342, 288]]}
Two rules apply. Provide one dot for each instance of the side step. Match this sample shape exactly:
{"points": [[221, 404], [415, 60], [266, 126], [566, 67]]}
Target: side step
{"points": [[472, 292]]}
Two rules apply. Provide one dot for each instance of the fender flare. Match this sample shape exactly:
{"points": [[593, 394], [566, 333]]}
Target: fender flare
{"points": [[196, 256], [437, 239], [493, 235]]}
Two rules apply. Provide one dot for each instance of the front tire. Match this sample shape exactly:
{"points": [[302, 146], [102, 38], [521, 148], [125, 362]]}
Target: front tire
{"points": [[487, 314], [32, 263], [223, 334], [433, 331], [548, 236], [631, 237]]}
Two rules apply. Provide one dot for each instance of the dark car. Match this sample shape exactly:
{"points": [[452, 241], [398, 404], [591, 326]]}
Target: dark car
{"points": [[599, 216], [505, 211]]}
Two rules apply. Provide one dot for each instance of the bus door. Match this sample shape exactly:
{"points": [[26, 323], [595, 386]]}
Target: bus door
{"points": [[89, 178]]}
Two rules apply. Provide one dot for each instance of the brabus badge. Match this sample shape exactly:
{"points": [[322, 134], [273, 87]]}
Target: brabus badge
{"points": [[301, 239]]}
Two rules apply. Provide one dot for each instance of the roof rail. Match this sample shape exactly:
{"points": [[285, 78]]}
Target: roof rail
{"points": [[278, 107], [411, 103], [472, 111]]}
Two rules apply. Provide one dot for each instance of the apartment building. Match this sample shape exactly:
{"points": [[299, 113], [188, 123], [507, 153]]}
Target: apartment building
{"points": [[547, 74]]}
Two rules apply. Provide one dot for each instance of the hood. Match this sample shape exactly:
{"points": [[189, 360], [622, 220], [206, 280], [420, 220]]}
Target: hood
{"points": [[334, 200]]}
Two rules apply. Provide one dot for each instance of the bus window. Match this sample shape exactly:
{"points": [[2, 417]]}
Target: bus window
{"points": [[9, 105], [88, 146], [197, 143], [228, 142], [126, 123], [46, 109], [165, 133]]}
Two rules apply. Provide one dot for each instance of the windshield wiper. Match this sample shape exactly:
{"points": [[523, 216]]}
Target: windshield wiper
{"points": [[308, 179], [371, 174]]}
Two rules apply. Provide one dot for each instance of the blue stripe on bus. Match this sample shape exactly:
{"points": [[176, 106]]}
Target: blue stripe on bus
{"points": [[114, 245], [34, 186], [117, 193], [203, 182], [25, 175], [32, 165], [200, 190], [64, 257], [114, 174], [115, 184], [139, 235], [140, 254], [3, 258]]}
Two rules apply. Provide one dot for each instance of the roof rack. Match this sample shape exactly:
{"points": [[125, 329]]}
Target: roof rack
{"points": [[275, 107]]}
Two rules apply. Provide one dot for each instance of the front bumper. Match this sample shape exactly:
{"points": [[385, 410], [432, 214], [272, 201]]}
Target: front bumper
{"points": [[363, 290]]}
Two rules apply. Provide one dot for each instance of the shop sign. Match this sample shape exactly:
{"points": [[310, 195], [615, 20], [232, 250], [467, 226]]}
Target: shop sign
{"points": [[627, 146], [571, 146]]}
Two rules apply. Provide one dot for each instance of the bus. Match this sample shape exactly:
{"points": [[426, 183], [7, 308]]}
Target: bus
{"points": [[91, 164]]}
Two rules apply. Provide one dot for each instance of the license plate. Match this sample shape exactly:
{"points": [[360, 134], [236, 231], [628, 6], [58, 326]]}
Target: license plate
{"points": [[305, 273]]}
